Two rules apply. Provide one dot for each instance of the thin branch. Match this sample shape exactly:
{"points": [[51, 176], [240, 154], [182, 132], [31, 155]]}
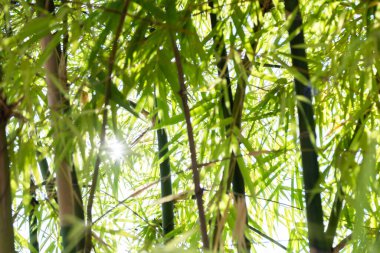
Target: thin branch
{"points": [[194, 166], [146, 186], [130, 209], [342, 244], [334, 216], [264, 199], [151, 184], [267, 237], [88, 244], [139, 137]]}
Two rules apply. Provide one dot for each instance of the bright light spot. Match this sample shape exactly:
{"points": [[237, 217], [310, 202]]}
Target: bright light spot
{"points": [[115, 149]]}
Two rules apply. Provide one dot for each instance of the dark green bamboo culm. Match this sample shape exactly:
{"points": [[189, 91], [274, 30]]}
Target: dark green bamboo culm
{"points": [[226, 103], [33, 235], [166, 183], [314, 212], [78, 207], [165, 176]]}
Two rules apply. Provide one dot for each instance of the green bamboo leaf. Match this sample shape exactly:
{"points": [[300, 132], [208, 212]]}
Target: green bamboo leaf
{"points": [[137, 39], [116, 96], [247, 176], [152, 9], [170, 121], [100, 42], [37, 28]]}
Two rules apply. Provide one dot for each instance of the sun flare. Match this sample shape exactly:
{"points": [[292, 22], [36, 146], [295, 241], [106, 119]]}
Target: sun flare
{"points": [[116, 149]]}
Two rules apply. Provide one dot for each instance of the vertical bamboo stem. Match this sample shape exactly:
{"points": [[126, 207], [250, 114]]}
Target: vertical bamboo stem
{"points": [[166, 183], [193, 155], [314, 211], [6, 224], [33, 235], [58, 104], [227, 104]]}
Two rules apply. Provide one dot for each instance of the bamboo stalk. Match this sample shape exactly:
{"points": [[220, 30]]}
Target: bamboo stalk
{"points": [[193, 155], [77, 194], [55, 76], [78, 207], [334, 216], [314, 211], [33, 235], [226, 103], [6, 222], [233, 107], [166, 183], [52, 194]]}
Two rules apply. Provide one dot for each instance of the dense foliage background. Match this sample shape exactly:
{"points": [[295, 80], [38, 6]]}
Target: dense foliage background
{"points": [[101, 99]]}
